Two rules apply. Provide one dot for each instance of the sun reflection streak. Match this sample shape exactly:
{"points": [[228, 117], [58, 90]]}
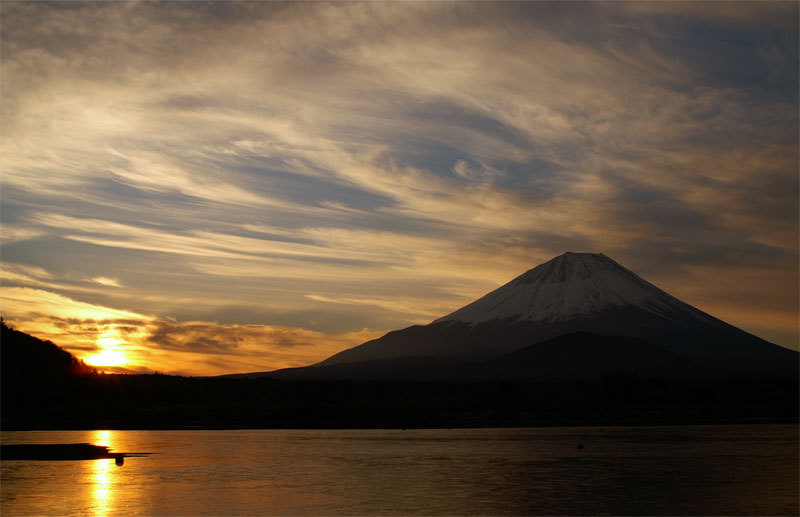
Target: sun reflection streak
{"points": [[101, 476], [102, 488]]}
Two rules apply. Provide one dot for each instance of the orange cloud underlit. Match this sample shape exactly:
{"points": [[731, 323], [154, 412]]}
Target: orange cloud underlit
{"points": [[118, 341]]}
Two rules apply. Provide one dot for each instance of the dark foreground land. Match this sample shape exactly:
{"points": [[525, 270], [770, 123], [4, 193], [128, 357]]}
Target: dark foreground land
{"points": [[160, 402], [44, 387], [62, 451]]}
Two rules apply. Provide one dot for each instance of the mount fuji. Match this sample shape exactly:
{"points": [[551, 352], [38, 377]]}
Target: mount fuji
{"points": [[578, 315]]}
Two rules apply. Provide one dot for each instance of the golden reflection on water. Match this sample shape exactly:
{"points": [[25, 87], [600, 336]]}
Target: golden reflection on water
{"points": [[102, 486], [103, 437]]}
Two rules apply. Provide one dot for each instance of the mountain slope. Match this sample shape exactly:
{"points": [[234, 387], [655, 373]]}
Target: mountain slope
{"points": [[579, 356], [587, 357], [578, 292], [574, 292]]}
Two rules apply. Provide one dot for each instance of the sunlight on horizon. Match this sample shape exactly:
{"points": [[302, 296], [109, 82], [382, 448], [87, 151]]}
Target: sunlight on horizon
{"points": [[111, 355]]}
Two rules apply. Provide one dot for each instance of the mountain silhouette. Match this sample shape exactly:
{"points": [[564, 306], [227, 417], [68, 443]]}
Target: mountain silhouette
{"points": [[584, 356], [574, 379], [573, 293]]}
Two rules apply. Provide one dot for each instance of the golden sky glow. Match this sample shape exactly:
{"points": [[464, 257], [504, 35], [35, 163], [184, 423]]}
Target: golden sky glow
{"points": [[117, 341], [242, 186]]}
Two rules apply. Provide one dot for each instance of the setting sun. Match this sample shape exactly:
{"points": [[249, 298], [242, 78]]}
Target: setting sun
{"points": [[107, 358], [110, 355]]}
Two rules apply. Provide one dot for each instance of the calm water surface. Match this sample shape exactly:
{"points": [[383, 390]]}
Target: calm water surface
{"points": [[708, 470]]}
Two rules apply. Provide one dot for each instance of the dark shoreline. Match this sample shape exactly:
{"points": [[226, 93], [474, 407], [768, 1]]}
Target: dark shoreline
{"points": [[31, 426], [44, 388], [166, 402]]}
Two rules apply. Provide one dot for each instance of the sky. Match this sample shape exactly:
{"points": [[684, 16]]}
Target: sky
{"points": [[203, 188]]}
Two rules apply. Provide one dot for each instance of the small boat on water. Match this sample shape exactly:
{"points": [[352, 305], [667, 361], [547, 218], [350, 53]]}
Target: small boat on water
{"points": [[63, 451]]}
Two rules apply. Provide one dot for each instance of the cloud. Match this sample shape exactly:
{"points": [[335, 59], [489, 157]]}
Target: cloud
{"points": [[165, 345], [108, 282], [26, 301], [394, 304], [211, 348], [402, 158], [75, 325], [482, 172], [11, 233], [23, 271], [745, 14]]}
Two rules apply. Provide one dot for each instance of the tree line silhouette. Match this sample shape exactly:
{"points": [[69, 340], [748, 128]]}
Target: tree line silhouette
{"points": [[45, 387]]}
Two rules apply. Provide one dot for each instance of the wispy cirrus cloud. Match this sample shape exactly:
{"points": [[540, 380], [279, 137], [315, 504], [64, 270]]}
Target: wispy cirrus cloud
{"points": [[277, 157], [108, 282], [157, 344]]}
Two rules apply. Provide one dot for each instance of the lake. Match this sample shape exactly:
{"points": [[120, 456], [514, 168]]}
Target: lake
{"points": [[741, 469]]}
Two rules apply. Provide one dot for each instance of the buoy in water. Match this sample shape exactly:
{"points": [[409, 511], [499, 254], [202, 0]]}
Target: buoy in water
{"points": [[580, 446], [119, 460]]}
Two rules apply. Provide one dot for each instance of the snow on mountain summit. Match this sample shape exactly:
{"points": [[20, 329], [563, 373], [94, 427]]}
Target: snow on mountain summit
{"points": [[629, 320], [570, 285]]}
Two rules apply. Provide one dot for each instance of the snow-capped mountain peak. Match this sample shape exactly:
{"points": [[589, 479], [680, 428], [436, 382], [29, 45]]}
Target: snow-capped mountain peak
{"points": [[539, 310], [568, 286]]}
